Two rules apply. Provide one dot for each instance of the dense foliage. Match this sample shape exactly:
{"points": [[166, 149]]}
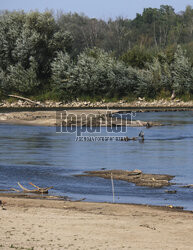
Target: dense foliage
{"points": [[72, 56]]}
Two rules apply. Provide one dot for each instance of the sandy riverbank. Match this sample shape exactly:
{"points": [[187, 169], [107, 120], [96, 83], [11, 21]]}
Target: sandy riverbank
{"points": [[45, 224], [79, 118], [39, 118]]}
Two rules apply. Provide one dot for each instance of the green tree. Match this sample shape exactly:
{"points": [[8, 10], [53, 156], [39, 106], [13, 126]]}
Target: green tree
{"points": [[10, 29], [137, 57], [61, 70], [182, 73], [97, 73]]}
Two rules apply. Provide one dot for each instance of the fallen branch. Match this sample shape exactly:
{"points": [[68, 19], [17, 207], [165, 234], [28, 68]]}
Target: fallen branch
{"points": [[41, 189], [38, 190], [34, 185], [16, 190], [22, 187], [24, 98]]}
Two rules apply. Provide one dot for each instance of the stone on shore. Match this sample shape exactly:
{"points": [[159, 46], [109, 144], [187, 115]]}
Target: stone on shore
{"points": [[141, 102]]}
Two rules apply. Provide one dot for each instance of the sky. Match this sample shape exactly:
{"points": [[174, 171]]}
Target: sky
{"points": [[103, 9]]}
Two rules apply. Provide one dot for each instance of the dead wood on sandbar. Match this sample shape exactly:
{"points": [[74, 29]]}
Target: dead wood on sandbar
{"points": [[38, 190]]}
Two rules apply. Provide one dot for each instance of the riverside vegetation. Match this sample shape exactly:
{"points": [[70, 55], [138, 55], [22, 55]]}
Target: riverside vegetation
{"points": [[65, 56]]}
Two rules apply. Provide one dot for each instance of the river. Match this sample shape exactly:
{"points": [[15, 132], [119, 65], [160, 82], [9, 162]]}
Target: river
{"points": [[46, 158]]}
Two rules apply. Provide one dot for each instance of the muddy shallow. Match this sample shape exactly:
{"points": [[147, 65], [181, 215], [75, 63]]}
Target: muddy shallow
{"points": [[136, 176]]}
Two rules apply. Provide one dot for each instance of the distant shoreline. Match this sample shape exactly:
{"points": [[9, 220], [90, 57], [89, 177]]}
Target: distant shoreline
{"points": [[138, 105], [121, 108]]}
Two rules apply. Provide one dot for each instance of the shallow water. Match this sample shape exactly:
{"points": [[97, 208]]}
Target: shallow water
{"points": [[40, 155]]}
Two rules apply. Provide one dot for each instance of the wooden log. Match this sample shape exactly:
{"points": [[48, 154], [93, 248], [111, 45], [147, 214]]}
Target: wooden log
{"points": [[24, 98], [38, 190]]}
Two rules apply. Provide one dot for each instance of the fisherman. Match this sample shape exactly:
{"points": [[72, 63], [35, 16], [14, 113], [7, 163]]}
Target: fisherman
{"points": [[141, 135]]}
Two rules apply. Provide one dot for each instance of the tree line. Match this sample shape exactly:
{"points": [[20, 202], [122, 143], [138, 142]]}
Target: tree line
{"points": [[65, 56]]}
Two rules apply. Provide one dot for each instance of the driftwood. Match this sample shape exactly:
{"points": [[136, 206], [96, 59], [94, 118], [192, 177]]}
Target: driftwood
{"points": [[173, 95], [38, 190], [24, 98]]}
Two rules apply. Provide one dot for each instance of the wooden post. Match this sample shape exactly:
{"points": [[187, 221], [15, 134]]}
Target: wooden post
{"points": [[113, 191]]}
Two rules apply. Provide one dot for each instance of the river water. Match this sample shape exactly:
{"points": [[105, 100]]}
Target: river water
{"points": [[46, 158]]}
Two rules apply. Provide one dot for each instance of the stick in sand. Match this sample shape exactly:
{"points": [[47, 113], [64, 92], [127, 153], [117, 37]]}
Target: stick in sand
{"points": [[113, 191]]}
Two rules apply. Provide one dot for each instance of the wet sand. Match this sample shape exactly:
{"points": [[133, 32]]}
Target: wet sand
{"points": [[48, 224], [40, 118], [136, 176]]}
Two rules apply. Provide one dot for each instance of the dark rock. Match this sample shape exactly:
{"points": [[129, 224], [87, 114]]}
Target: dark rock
{"points": [[171, 191], [187, 186]]}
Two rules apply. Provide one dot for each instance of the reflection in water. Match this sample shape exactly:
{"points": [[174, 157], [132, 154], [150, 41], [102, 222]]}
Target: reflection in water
{"points": [[40, 155]]}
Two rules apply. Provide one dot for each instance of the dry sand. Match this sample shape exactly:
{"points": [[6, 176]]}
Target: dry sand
{"points": [[48, 118], [42, 118], [45, 224]]}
